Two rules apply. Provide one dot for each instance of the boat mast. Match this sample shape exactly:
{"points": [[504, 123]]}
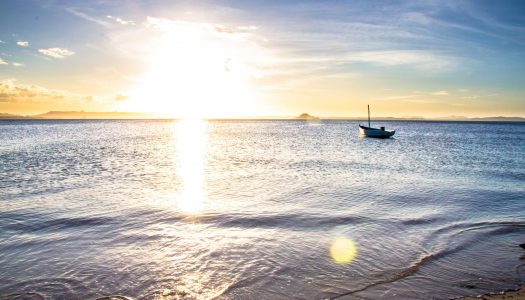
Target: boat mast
{"points": [[369, 116]]}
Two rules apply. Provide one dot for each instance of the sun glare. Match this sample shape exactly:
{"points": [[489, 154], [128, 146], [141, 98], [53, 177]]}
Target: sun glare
{"points": [[195, 71]]}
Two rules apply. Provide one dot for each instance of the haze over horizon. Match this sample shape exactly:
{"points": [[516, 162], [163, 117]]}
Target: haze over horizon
{"points": [[254, 58]]}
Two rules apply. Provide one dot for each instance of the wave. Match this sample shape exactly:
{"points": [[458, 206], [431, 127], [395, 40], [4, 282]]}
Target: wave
{"points": [[16, 224], [285, 220], [499, 227], [23, 296], [23, 221], [41, 288]]}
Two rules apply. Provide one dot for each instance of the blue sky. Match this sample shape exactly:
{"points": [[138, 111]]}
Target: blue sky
{"points": [[330, 58]]}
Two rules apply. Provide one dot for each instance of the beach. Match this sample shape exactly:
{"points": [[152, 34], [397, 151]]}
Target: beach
{"points": [[508, 295]]}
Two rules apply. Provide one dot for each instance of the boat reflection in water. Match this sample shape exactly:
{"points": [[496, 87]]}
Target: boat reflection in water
{"points": [[191, 141]]}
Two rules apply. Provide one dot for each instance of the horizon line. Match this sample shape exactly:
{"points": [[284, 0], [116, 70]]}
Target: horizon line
{"points": [[77, 115]]}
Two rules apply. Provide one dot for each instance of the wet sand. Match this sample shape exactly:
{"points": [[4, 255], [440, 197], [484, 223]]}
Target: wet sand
{"points": [[509, 295]]}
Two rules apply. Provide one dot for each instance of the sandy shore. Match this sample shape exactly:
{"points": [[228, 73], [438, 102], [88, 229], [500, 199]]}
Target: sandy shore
{"points": [[510, 295]]}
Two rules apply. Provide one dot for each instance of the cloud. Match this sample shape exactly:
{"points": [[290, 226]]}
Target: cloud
{"points": [[422, 101], [13, 91], [86, 17], [417, 58], [56, 52], [398, 97], [196, 28], [247, 27], [16, 64], [120, 20], [416, 17], [121, 97], [222, 29], [440, 93], [472, 97], [415, 98], [22, 43], [2, 42]]}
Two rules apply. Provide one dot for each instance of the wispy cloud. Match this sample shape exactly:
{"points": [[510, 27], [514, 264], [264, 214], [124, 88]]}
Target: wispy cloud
{"points": [[186, 27], [422, 36], [2, 62], [417, 59], [402, 97], [22, 43], [473, 22], [479, 96], [80, 14], [121, 21], [421, 101], [56, 52], [17, 64], [440, 93]]}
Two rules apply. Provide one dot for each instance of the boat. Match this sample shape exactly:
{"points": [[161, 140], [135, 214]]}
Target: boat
{"points": [[374, 132]]}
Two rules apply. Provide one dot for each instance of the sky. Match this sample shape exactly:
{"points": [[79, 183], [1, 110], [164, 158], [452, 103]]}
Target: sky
{"points": [[264, 58]]}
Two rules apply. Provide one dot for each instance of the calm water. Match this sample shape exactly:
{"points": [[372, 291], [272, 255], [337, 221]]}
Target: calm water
{"points": [[252, 209]]}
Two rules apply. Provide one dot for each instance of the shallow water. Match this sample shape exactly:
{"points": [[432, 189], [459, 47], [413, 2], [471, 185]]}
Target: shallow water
{"points": [[251, 209]]}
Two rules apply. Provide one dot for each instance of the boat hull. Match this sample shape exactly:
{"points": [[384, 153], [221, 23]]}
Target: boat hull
{"points": [[375, 132]]}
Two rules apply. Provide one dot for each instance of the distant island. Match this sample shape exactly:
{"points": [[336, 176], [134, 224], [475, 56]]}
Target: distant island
{"points": [[79, 115], [305, 116]]}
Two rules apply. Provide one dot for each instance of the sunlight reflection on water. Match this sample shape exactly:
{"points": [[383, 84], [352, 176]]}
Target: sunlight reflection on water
{"points": [[190, 140]]}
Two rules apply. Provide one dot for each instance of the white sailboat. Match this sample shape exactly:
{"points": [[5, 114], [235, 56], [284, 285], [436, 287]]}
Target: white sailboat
{"points": [[374, 132]]}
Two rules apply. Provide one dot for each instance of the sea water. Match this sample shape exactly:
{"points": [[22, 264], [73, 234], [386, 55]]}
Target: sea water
{"points": [[258, 209]]}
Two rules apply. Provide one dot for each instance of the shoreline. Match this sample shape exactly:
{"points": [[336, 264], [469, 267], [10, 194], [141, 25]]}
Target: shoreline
{"points": [[518, 294]]}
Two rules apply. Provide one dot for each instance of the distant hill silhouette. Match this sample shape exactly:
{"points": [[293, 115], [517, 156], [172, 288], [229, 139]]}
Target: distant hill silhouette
{"points": [[94, 115], [500, 119], [11, 116], [305, 116]]}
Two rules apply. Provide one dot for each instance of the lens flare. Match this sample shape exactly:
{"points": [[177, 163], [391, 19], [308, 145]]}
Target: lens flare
{"points": [[343, 250]]}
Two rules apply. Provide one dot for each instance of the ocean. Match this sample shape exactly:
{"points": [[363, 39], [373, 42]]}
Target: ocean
{"points": [[259, 209]]}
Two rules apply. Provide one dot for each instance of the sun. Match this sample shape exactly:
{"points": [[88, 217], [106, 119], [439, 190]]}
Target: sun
{"points": [[195, 70]]}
